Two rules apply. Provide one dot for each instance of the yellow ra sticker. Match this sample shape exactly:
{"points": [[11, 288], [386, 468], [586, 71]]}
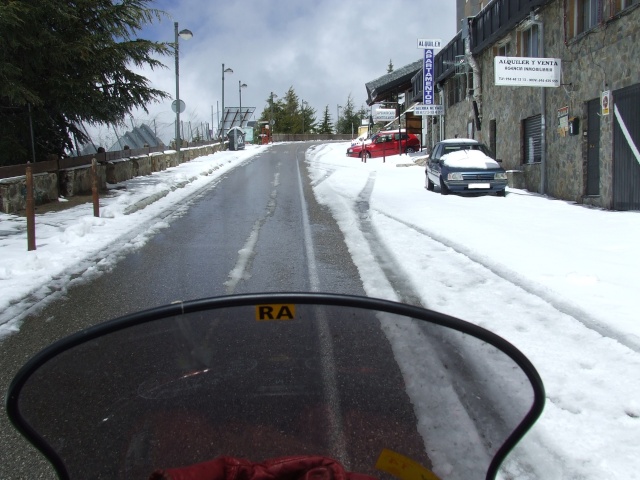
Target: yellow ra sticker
{"points": [[275, 312], [403, 467]]}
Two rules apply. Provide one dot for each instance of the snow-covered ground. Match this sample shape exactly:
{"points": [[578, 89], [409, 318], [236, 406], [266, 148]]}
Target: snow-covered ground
{"points": [[556, 279]]}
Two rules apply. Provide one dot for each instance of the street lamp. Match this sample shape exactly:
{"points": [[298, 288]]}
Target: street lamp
{"points": [[240, 87], [303, 104], [185, 35], [271, 97], [228, 70], [338, 119]]}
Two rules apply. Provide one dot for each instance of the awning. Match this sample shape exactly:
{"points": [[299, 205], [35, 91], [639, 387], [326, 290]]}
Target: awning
{"points": [[397, 81]]}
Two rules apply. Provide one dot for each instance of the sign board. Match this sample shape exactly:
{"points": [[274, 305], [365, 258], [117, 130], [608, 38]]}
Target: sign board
{"points": [[427, 88], [605, 102], [527, 71], [384, 114], [248, 134], [563, 121], [429, 43], [429, 110]]}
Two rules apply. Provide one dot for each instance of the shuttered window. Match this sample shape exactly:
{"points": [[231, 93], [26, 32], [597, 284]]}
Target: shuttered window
{"points": [[531, 141]]}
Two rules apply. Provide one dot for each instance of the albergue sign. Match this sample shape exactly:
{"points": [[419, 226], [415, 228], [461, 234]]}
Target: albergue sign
{"points": [[527, 71]]}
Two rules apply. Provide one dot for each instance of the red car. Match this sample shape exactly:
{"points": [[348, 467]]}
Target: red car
{"points": [[384, 144]]}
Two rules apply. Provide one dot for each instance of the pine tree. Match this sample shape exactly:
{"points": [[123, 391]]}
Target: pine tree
{"points": [[308, 118], [289, 113], [390, 66], [350, 119], [290, 120], [64, 62], [326, 127]]}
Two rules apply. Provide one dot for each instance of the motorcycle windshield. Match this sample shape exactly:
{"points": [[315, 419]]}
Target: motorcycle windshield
{"points": [[264, 376]]}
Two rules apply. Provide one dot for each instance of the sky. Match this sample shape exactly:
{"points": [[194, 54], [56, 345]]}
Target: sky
{"points": [[556, 279], [325, 49]]}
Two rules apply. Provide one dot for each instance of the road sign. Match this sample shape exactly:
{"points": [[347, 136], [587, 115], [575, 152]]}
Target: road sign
{"points": [[429, 43], [182, 106], [429, 110]]}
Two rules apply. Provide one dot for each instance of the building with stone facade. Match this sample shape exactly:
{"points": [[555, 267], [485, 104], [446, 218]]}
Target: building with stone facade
{"points": [[578, 141]]}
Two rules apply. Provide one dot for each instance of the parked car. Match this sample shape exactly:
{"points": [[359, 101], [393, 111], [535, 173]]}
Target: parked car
{"points": [[465, 166], [385, 143]]}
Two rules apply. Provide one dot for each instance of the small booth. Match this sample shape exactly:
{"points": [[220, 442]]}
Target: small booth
{"points": [[235, 135]]}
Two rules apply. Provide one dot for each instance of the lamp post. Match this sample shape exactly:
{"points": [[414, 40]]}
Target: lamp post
{"points": [[185, 35], [228, 70], [271, 97], [338, 119], [240, 87], [303, 104]]}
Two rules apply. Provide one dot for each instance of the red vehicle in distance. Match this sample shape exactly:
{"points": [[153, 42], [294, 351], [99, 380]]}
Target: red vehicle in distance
{"points": [[385, 143]]}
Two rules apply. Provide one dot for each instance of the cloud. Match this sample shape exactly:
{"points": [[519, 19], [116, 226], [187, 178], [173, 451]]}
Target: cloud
{"points": [[326, 50]]}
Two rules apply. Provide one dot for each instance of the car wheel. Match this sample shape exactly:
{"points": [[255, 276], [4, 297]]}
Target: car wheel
{"points": [[430, 185], [409, 150], [501, 193], [444, 190], [365, 155]]}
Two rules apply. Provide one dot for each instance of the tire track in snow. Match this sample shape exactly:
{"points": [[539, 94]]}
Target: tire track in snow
{"points": [[383, 257], [553, 299]]}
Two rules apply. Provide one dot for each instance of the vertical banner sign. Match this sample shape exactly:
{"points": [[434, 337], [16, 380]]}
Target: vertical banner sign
{"points": [[428, 77]]}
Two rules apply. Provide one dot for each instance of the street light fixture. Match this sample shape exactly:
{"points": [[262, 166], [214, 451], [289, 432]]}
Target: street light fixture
{"points": [[228, 70], [185, 35], [240, 87], [338, 119], [271, 97]]}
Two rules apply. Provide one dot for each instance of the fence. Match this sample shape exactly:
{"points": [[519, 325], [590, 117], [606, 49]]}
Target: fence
{"points": [[70, 176], [64, 163]]}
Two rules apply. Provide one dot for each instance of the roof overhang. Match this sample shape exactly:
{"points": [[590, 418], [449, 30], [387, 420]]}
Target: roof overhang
{"points": [[398, 81]]}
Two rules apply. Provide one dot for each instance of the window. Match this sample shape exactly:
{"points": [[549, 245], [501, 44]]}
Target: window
{"points": [[456, 89], [618, 5], [503, 50], [587, 15], [529, 41], [583, 15]]}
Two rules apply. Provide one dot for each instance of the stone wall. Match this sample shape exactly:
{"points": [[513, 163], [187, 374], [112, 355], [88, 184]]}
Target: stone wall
{"points": [[48, 187], [13, 191], [76, 181]]}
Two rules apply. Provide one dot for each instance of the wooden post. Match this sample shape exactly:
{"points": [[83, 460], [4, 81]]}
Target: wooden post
{"points": [[94, 187], [31, 213]]}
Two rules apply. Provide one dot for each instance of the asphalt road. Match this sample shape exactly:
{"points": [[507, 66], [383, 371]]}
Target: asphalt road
{"points": [[257, 230]]}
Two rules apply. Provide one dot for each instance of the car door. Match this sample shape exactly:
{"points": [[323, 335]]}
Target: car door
{"points": [[395, 144], [433, 165], [381, 146]]}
